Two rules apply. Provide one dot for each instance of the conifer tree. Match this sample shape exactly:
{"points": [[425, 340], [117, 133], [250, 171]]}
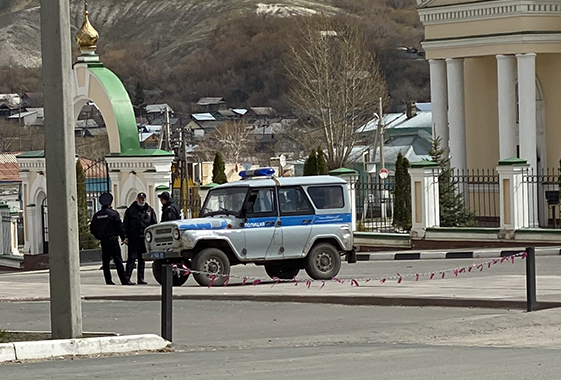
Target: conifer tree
{"points": [[322, 163], [402, 194], [86, 239], [219, 169], [311, 164], [453, 211]]}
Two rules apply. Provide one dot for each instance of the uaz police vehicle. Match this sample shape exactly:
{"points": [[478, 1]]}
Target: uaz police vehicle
{"points": [[285, 224]]}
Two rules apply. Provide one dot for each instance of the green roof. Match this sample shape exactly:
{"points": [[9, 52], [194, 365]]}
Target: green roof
{"points": [[32, 154], [512, 161], [424, 164], [343, 171], [141, 153]]}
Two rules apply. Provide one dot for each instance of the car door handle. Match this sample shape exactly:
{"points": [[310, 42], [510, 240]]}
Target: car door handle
{"points": [[269, 224], [279, 223], [307, 221]]}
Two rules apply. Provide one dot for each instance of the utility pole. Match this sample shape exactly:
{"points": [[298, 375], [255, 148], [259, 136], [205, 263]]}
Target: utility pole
{"points": [[64, 263], [381, 129]]}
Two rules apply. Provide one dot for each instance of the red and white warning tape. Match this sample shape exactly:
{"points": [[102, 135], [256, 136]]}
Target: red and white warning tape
{"points": [[248, 280]]}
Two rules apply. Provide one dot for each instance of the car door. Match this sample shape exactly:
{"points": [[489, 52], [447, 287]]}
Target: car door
{"points": [[261, 224], [297, 216]]}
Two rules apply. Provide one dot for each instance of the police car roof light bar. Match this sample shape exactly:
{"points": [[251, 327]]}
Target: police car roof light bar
{"points": [[261, 172]]}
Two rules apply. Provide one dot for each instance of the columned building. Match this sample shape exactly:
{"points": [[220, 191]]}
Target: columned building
{"points": [[495, 70]]}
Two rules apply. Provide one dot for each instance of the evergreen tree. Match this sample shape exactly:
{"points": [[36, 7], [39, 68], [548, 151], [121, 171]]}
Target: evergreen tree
{"points": [[322, 163], [219, 169], [402, 194], [453, 211], [311, 164], [139, 99], [86, 239]]}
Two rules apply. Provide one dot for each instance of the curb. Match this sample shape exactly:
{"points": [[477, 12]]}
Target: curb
{"points": [[46, 349], [487, 254]]}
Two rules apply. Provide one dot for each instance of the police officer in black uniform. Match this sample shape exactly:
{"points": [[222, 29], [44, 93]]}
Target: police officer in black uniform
{"points": [[106, 226], [170, 211], [138, 216]]}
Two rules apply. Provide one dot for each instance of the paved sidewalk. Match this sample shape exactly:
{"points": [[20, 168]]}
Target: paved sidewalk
{"points": [[465, 289]]}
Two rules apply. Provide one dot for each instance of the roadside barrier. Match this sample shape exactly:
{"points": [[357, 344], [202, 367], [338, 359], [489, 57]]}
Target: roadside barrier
{"points": [[170, 270]]}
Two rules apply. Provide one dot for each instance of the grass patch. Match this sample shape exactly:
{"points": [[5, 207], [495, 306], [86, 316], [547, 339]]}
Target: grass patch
{"points": [[5, 336]]}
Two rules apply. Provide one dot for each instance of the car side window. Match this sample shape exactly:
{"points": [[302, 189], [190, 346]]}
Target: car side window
{"points": [[327, 197], [293, 201], [260, 202]]}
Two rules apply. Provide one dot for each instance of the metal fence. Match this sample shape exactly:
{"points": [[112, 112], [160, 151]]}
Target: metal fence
{"points": [[476, 199], [374, 204], [543, 197]]}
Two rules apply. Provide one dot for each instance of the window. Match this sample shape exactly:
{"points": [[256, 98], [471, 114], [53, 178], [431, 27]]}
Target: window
{"points": [[261, 201], [224, 201], [327, 197], [293, 201]]}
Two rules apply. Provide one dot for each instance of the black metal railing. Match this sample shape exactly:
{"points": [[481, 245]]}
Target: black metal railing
{"points": [[542, 189], [374, 204], [469, 198]]}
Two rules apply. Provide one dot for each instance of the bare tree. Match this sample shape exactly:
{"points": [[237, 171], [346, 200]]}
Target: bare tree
{"points": [[335, 82], [232, 139]]}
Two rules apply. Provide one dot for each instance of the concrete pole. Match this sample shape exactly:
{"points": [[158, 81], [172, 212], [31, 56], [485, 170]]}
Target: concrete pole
{"points": [[506, 73], [64, 263]]}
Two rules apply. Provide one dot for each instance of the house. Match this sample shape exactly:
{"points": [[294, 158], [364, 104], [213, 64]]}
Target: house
{"points": [[149, 140], [211, 104], [32, 99], [10, 181], [26, 118], [9, 104], [207, 116], [225, 115], [154, 109]]}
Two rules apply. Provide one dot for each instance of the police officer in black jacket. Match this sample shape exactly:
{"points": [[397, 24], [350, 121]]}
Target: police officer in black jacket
{"points": [[138, 216], [170, 211], [106, 226]]}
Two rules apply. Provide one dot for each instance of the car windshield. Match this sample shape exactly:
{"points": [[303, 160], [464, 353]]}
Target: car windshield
{"points": [[227, 201]]}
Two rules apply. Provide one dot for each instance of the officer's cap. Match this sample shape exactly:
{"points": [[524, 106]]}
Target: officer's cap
{"points": [[106, 199]]}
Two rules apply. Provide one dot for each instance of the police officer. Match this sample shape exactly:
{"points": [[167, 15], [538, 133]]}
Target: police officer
{"points": [[170, 211], [106, 226], [138, 216]]}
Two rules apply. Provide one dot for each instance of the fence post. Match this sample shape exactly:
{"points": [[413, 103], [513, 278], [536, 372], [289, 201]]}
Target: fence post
{"points": [[531, 303], [513, 190], [167, 301], [425, 205]]}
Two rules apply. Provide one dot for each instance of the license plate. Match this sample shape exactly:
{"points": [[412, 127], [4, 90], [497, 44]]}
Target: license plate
{"points": [[156, 255]]}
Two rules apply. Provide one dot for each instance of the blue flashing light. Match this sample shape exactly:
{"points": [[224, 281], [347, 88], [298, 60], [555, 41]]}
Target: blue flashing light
{"points": [[261, 172]]}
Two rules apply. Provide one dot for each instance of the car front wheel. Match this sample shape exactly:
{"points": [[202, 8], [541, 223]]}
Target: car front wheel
{"points": [[213, 262], [323, 262]]}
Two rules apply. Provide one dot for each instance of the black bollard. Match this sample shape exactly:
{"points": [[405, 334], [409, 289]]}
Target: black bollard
{"points": [[167, 301], [531, 279]]}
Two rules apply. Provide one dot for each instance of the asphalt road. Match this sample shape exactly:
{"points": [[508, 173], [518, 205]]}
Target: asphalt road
{"points": [[245, 340]]}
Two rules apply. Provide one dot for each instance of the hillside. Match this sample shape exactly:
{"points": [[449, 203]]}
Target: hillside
{"points": [[168, 29], [180, 50]]}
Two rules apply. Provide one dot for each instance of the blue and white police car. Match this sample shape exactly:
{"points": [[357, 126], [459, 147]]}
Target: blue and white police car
{"points": [[286, 224]]}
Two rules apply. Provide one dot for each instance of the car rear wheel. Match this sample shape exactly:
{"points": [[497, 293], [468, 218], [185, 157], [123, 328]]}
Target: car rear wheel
{"points": [[284, 271], [178, 280], [213, 262], [323, 262]]}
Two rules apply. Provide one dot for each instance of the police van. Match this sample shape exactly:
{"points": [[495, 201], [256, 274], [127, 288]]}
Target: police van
{"points": [[285, 224]]}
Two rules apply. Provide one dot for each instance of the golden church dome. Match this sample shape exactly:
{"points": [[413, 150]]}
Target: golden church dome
{"points": [[87, 36]]}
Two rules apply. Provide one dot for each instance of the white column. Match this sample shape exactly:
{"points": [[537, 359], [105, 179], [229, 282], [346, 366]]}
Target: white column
{"points": [[456, 113], [439, 100], [527, 108], [506, 73]]}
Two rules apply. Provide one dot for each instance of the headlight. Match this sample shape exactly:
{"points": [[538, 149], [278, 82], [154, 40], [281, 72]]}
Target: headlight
{"points": [[176, 235], [148, 237]]}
